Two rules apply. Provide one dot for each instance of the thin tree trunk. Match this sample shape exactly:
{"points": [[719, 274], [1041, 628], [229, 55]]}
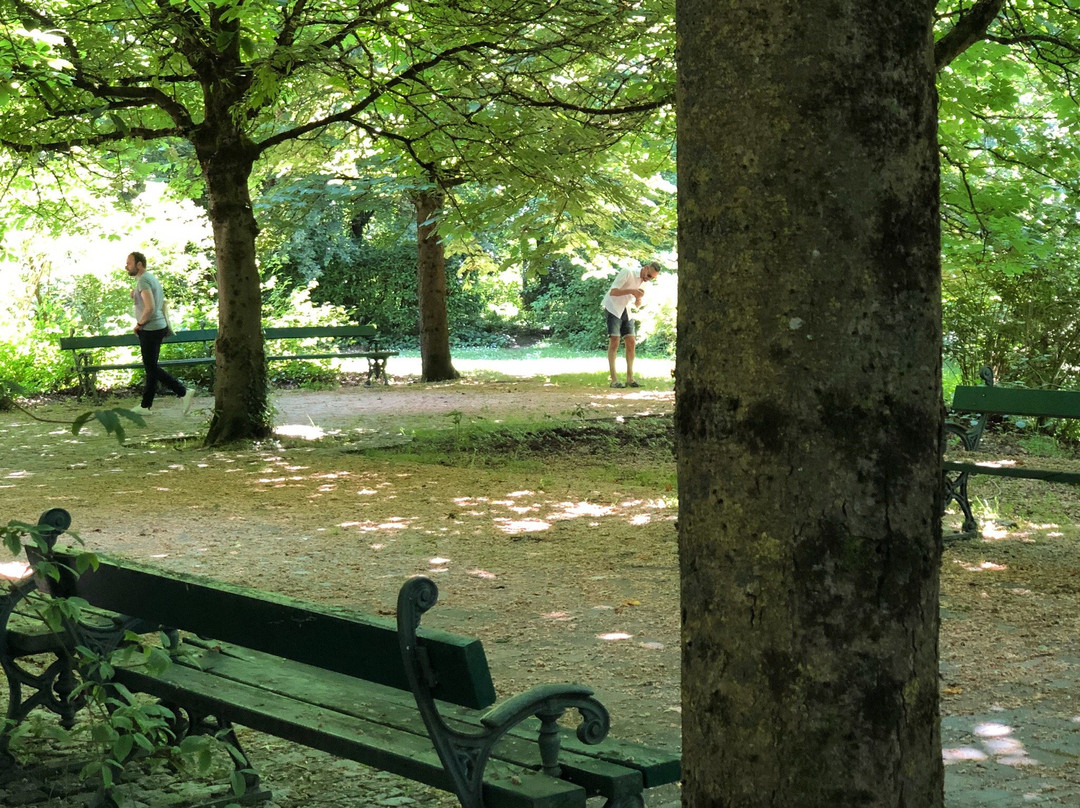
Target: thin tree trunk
{"points": [[809, 407], [435, 363]]}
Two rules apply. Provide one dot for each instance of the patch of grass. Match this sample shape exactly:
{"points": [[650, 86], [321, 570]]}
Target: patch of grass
{"points": [[638, 451], [1044, 445]]}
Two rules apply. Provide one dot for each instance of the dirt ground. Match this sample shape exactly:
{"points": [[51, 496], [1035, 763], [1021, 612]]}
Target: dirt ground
{"points": [[565, 567]]}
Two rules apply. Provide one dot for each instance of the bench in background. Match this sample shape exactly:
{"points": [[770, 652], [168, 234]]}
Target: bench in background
{"points": [[413, 702], [86, 350], [971, 406]]}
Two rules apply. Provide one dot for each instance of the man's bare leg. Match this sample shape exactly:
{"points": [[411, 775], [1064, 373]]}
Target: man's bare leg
{"points": [[612, 352]]}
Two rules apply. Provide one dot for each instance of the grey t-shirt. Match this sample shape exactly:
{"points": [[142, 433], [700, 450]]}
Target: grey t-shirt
{"points": [[155, 320]]}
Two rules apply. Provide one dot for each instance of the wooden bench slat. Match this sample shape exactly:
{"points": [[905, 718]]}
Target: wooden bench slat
{"points": [[1017, 401], [397, 709], [131, 340], [321, 331], [347, 642], [1021, 472], [333, 355], [346, 736]]}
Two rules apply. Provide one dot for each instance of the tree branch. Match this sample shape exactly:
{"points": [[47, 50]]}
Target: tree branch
{"points": [[969, 29], [138, 133]]}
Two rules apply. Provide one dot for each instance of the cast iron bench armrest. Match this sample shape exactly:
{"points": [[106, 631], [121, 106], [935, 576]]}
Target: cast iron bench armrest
{"points": [[465, 754]]}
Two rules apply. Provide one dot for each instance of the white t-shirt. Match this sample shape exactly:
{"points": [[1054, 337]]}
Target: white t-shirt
{"points": [[627, 279]]}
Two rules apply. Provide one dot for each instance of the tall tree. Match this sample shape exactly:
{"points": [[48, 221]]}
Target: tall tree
{"points": [[809, 403], [235, 79]]}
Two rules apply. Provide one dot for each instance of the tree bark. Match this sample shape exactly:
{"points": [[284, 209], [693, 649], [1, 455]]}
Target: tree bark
{"points": [[808, 409], [435, 363], [241, 406]]}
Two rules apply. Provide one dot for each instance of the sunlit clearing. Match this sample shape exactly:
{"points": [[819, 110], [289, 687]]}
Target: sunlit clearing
{"points": [[521, 493], [438, 561], [992, 531], [996, 464], [652, 646], [572, 510], [985, 566], [1018, 760], [560, 616], [641, 519], [615, 635], [14, 570], [482, 574], [962, 753], [366, 492], [522, 525], [377, 547], [302, 431], [1004, 746], [520, 509], [17, 474], [992, 729]]}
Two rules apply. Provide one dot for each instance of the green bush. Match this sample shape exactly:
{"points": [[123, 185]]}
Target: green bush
{"points": [[36, 364]]}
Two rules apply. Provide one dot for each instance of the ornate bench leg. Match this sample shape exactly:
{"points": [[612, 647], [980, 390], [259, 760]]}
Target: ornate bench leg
{"points": [[376, 370], [955, 484]]}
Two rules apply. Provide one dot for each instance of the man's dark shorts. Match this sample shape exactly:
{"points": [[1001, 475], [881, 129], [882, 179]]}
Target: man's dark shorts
{"points": [[619, 326]]}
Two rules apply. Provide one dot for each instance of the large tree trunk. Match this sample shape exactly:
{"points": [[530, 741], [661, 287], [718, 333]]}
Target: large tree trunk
{"points": [[435, 364], [809, 404], [241, 408]]}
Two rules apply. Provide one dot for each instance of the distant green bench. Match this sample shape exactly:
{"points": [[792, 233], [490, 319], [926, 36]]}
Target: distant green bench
{"points": [[86, 350], [400, 699], [972, 405]]}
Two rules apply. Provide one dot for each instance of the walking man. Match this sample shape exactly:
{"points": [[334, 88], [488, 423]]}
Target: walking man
{"points": [[626, 288], [152, 328]]}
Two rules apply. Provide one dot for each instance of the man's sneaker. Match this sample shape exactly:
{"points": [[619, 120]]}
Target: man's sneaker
{"points": [[189, 399]]}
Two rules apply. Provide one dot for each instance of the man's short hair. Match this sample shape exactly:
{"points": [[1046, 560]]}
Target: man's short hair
{"points": [[139, 258]]}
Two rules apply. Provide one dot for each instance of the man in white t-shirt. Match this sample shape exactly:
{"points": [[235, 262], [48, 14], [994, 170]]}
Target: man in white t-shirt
{"points": [[625, 289]]}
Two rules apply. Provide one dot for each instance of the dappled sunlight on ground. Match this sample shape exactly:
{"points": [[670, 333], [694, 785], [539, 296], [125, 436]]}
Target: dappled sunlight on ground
{"points": [[302, 431], [997, 741]]}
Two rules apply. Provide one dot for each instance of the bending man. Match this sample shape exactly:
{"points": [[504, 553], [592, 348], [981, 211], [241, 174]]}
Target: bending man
{"points": [[626, 288]]}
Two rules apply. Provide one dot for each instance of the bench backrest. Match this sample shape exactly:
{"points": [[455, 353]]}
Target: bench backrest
{"points": [[323, 331], [317, 634], [130, 339], [1017, 401]]}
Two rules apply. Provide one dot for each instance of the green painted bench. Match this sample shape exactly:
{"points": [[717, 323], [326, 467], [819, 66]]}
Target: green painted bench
{"points": [[971, 406], [414, 702], [86, 351]]}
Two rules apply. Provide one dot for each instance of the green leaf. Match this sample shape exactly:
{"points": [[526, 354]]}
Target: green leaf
{"points": [[239, 784], [122, 747]]}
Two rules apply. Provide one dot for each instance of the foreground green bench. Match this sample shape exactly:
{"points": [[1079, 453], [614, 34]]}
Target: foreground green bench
{"points": [[86, 351], [971, 406], [413, 702]]}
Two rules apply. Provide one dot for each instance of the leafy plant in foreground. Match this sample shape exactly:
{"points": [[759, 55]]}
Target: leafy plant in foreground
{"points": [[119, 725]]}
